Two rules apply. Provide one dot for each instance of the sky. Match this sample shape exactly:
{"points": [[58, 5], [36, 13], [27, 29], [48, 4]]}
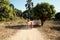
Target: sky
{"points": [[20, 4]]}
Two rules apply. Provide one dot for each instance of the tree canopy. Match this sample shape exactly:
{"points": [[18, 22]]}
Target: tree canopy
{"points": [[7, 10], [43, 11], [57, 16]]}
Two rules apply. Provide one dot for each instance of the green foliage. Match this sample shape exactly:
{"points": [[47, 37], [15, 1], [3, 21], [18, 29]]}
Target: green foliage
{"points": [[17, 12], [3, 10], [43, 11], [25, 14], [7, 10], [57, 16], [4, 1]]}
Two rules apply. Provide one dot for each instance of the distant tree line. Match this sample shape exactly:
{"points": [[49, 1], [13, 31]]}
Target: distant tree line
{"points": [[43, 11]]}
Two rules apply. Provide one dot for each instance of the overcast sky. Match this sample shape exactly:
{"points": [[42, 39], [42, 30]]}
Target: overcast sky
{"points": [[20, 4]]}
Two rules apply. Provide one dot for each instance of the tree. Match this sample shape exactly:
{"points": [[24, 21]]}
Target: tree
{"points": [[2, 9], [6, 11], [5, 1], [17, 12], [57, 16], [29, 6], [25, 14], [12, 10], [43, 11]]}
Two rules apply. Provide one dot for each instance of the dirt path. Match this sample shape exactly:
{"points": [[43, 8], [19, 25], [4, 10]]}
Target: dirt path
{"points": [[28, 34]]}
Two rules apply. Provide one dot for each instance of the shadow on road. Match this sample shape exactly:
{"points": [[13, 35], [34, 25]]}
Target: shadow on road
{"points": [[17, 27], [21, 26]]}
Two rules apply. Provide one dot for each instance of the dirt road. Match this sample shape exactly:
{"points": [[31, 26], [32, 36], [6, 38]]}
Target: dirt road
{"points": [[29, 34]]}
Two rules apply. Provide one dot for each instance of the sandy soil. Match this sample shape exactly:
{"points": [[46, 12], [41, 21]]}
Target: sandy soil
{"points": [[28, 34]]}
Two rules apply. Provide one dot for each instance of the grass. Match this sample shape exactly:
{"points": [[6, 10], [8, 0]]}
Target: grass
{"points": [[5, 33], [51, 30]]}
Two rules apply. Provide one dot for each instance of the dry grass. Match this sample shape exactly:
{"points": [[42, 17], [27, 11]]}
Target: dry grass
{"points": [[51, 30], [48, 29], [5, 33]]}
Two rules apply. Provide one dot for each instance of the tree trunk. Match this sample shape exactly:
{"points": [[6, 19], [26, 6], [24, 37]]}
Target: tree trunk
{"points": [[42, 22]]}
